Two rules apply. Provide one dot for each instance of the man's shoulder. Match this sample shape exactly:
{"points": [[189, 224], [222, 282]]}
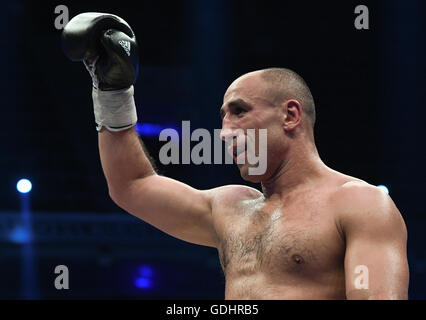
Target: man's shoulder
{"points": [[358, 194], [348, 189], [356, 201]]}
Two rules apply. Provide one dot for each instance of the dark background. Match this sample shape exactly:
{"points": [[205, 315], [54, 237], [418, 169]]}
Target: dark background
{"points": [[369, 88]]}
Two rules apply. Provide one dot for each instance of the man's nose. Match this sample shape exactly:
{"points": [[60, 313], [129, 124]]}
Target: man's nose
{"points": [[228, 132]]}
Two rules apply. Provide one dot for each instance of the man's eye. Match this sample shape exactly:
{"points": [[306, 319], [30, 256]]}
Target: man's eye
{"points": [[239, 110]]}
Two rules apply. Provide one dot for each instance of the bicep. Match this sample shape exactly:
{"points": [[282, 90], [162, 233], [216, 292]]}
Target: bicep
{"points": [[171, 206], [376, 269], [376, 264]]}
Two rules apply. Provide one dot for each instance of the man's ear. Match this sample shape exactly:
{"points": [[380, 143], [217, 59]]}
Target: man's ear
{"points": [[293, 114]]}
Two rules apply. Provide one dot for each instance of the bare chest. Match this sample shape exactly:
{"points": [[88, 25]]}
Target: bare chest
{"points": [[300, 239]]}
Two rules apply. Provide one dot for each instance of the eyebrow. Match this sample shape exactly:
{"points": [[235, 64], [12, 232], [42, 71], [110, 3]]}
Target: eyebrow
{"points": [[234, 104]]}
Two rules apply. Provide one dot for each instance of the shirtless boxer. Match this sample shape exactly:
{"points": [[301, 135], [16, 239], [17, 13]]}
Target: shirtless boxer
{"points": [[307, 233]]}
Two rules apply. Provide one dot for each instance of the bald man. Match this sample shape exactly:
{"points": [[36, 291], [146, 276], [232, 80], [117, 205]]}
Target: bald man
{"points": [[312, 233]]}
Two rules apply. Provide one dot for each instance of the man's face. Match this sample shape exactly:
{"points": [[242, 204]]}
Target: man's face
{"points": [[248, 104]]}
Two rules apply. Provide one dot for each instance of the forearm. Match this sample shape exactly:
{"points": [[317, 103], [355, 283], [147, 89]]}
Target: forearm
{"points": [[107, 46], [123, 159]]}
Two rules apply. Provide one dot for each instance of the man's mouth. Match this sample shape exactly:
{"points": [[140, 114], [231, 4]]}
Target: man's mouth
{"points": [[238, 152]]}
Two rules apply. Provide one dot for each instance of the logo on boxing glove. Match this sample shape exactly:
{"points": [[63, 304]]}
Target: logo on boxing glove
{"points": [[126, 46]]}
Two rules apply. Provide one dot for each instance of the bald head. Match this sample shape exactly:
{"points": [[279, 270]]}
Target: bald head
{"points": [[285, 84]]}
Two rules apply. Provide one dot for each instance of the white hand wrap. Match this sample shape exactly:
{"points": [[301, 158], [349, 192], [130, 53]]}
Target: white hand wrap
{"points": [[115, 110]]}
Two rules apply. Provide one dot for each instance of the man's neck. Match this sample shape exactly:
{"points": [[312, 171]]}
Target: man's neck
{"points": [[301, 168]]}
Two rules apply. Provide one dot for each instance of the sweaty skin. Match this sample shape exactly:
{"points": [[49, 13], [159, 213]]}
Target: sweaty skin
{"points": [[273, 249], [294, 247], [302, 237]]}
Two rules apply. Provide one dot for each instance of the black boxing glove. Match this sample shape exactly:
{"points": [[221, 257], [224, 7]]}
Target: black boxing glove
{"points": [[107, 46]]}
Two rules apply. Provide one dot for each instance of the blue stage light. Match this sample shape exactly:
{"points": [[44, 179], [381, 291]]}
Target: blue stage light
{"points": [[383, 188], [145, 271], [24, 186], [151, 129], [143, 283], [20, 235]]}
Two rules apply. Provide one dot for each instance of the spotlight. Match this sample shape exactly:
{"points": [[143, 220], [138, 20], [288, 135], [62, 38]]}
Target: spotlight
{"points": [[20, 235], [143, 283], [383, 188], [145, 271], [151, 129], [24, 186]]}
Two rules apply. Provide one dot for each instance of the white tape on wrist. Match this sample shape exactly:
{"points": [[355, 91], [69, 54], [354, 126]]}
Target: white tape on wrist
{"points": [[114, 110]]}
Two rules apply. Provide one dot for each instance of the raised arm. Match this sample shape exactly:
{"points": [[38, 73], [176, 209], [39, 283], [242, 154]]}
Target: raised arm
{"points": [[107, 46], [167, 204], [376, 265]]}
